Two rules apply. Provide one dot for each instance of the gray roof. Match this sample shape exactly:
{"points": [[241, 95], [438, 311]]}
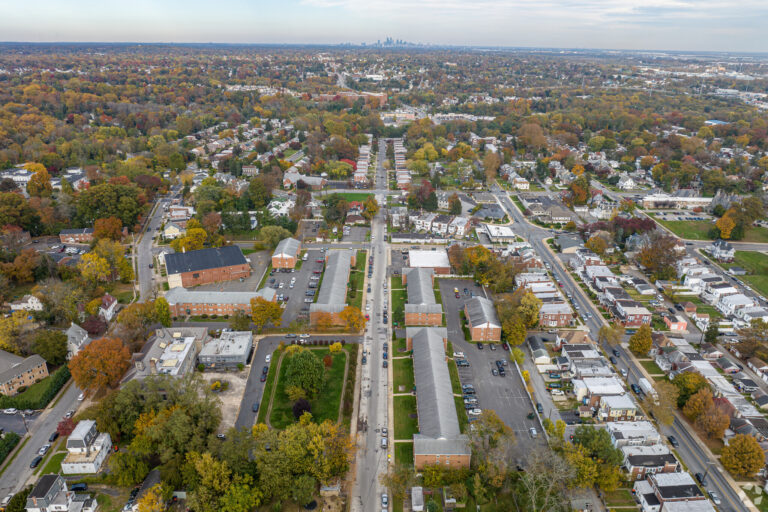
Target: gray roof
{"points": [[333, 290], [181, 295], [8, 360], [287, 247], [438, 424], [17, 369], [419, 283], [203, 259], [481, 311], [77, 231], [75, 332]]}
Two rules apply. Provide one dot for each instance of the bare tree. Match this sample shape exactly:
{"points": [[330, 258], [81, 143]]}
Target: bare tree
{"points": [[545, 481]]}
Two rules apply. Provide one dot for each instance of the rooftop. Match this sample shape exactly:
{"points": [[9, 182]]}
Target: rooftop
{"points": [[333, 290], [481, 311], [230, 343], [183, 296], [287, 247], [429, 259], [203, 259]]}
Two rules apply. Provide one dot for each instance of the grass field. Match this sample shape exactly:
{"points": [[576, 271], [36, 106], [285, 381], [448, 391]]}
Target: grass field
{"points": [[354, 196], [403, 371], [357, 281], [399, 296], [54, 463], [651, 367], [406, 423], [455, 382], [461, 413], [404, 453], [702, 307], [620, 498], [324, 407], [758, 497], [699, 230], [268, 385], [756, 264]]}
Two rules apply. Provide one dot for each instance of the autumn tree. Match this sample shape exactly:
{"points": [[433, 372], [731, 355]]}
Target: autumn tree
{"points": [[611, 334], [370, 207], [152, 500], [725, 224], [398, 479], [65, 427], [22, 269], [264, 311], [11, 329], [713, 422], [640, 343], [753, 339], [529, 309], [688, 383], [662, 405], [596, 244], [743, 456], [240, 321], [100, 364], [698, 403], [212, 223], [114, 253], [324, 321], [51, 345], [163, 311], [108, 227], [193, 240], [454, 205], [94, 268], [491, 163], [659, 256], [40, 182], [353, 318]]}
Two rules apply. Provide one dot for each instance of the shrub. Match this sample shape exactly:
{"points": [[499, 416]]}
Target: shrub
{"points": [[200, 367], [51, 385], [7, 443], [240, 366], [204, 315]]}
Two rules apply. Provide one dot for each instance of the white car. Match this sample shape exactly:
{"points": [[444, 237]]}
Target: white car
{"points": [[367, 307], [44, 449], [304, 336], [475, 412], [458, 354], [281, 285], [10, 411], [268, 358], [81, 397]]}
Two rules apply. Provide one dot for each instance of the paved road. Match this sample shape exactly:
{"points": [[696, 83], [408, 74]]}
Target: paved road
{"points": [[689, 453], [19, 474], [147, 288], [371, 460]]}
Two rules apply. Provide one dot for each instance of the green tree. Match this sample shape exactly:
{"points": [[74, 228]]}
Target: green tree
{"points": [[272, 235], [743, 456], [517, 355], [688, 383], [398, 480], [454, 205], [52, 346], [303, 489], [163, 311], [712, 332], [611, 335], [128, 468], [641, 342], [306, 371], [240, 321]]}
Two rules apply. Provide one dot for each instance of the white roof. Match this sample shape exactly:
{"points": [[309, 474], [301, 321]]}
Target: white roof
{"points": [[604, 385], [495, 231], [618, 401], [429, 259]]}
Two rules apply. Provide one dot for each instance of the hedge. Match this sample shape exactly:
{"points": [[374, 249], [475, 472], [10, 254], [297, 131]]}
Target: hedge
{"points": [[39, 394], [8, 443]]}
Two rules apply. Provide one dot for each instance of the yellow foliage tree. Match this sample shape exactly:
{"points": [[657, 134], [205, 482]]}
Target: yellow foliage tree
{"points": [[353, 318], [263, 311], [152, 501], [725, 224], [10, 328], [40, 182], [94, 268]]}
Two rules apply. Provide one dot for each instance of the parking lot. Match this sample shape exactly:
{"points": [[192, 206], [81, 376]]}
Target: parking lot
{"points": [[356, 234], [295, 296], [677, 216], [505, 395]]}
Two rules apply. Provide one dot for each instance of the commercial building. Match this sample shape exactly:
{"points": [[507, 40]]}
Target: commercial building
{"points": [[657, 201], [87, 449], [228, 351], [499, 234], [50, 494], [422, 308], [172, 351], [183, 302], [286, 253], [18, 373], [214, 265], [76, 236], [436, 260], [439, 441], [332, 297], [483, 322]]}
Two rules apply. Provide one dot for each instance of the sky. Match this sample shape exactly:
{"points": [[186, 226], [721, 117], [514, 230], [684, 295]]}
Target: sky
{"points": [[687, 25]]}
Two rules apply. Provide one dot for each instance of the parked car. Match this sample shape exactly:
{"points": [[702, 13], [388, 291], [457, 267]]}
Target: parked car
{"points": [[700, 478], [715, 497], [494, 372], [613, 359], [78, 487], [492, 346], [673, 441], [533, 432], [35, 462], [539, 407], [616, 353], [53, 437], [635, 388], [256, 407], [479, 346], [44, 449]]}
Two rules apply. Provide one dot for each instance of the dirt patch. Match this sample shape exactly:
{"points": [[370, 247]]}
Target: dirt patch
{"points": [[231, 397]]}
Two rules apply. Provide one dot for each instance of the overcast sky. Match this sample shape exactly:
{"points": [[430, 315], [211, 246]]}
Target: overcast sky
{"points": [[719, 25]]}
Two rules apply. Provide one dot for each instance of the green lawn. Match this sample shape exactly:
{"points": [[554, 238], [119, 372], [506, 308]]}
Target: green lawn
{"points": [[404, 453], [403, 371], [461, 413], [651, 367], [399, 297], [406, 423], [354, 196], [355, 288], [702, 307], [619, 498], [455, 382], [699, 230], [400, 346], [758, 497], [268, 385], [54, 463], [324, 407], [756, 264]]}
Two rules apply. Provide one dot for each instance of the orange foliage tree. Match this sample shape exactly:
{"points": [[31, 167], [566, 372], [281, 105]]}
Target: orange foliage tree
{"points": [[109, 227], [100, 364]]}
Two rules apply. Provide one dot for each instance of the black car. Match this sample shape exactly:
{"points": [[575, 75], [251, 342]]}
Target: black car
{"points": [[673, 441], [256, 407], [35, 462], [671, 310], [616, 353], [635, 388], [479, 346], [265, 370], [78, 487], [700, 478], [613, 360], [678, 307], [539, 407], [384, 364], [53, 437]]}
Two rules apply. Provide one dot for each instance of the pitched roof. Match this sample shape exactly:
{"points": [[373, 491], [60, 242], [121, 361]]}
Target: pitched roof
{"points": [[25, 365], [481, 311], [43, 486], [419, 284], [203, 259], [181, 295], [332, 296], [287, 247]]}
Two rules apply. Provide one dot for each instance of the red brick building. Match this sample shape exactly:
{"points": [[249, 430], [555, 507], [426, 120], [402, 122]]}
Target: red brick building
{"points": [[286, 253], [422, 308], [76, 236], [483, 323], [214, 265], [183, 302]]}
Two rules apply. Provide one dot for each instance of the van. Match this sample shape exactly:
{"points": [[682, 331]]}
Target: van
{"points": [[383, 443]]}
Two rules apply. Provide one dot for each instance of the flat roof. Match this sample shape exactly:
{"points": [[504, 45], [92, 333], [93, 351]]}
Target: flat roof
{"points": [[429, 259]]}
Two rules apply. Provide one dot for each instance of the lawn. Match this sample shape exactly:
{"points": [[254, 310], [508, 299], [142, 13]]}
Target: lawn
{"points": [[758, 497], [400, 346], [403, 371], [324, 407], [357, 282], [354, 196], [704, 308], [756, 264], [406, 423], [404, 453], [688, 229], [54, 463], [268, 385], [651, 367], [619, 498], [399, 297], [461, 413], [455, 382]]}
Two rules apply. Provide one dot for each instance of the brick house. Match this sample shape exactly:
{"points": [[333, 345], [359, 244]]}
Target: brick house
{"points": [[76, 236], [286, 253], [483, 323], [422, 308], [555, 315], [214, 265], [640, 461], [20, 372]]}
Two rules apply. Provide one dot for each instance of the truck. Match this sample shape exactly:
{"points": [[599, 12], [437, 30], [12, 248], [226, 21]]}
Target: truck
{"points": [[646, 387]]}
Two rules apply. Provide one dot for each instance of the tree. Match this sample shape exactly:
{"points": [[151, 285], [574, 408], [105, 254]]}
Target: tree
{"points": [[40, 182], [335, 348], [163, 311], [114, 253], [271, 235], [303, 489], [304, 370], [611, 335], [259, 191], [128, 468], [371, 207], [662, 405], [264, 311], [193, 240], [134, 318], [65, 427], [300, 407], [529, 309], [100, 364], [688, 383], [543, 486], [659, 256], [752, 338], [152, 501], [725, 224], [743, 456], [641, 342], [353, 318], [212, 223], [324, 321], [108, 227], [52, 346], [240, 321], [22, 269], [699, 402], [94, 268], [11, 327], [491, 163], [713, 422], [596, 244], [712, 332], [398, 480], [517, 355]]}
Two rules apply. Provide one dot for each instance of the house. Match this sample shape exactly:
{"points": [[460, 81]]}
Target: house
{"points": [[439, 441], [332, 296], [18, 373], [436, 260], [483, 323], [760, 398], [230, 351], [171, 351], [730, 305], [633, 433], [108, 307], [77, 339], [286, 253], [459, 227], [185, 302], [640, 461], [27, 303], [50, 494], [292, 177], [617, 408], [87, 449], [557, 214], [676, 323], [728, 366], [590, 390], [626, 182], [76, 236], [673, 492], [721, 250], [422, 307], [569, 244], [555, 315], [538, 350], [631, 313], [204, 266], [172, 230]]}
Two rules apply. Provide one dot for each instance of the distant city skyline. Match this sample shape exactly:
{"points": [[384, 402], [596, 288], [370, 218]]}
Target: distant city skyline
{"points": [[683, 25]]}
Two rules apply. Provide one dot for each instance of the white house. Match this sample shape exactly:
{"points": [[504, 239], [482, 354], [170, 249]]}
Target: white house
{"points": [[87, 449], [27, 303], [77, 339], [459, 227], [730, 304], [721, 250], [626, 182], [108, 307]]}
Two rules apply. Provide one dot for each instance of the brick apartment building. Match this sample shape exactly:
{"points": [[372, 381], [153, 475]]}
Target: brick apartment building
{"points": [[76, 236], [183, 302], [19, 372], [422, 308], [332, 297], [286, 253], [214, 265], [483, 323]]}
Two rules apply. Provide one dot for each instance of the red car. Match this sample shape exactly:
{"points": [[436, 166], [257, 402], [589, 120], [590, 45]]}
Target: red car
{"points": [[263, 378]]}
